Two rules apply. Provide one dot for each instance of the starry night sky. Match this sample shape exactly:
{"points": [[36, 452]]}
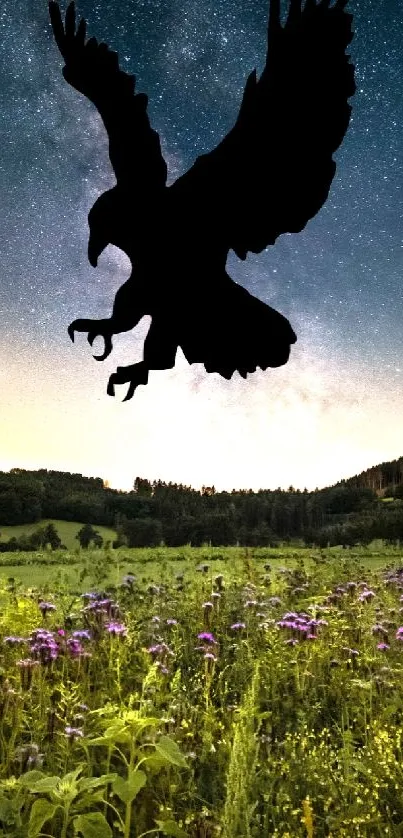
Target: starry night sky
{"points": [[337, 406]]}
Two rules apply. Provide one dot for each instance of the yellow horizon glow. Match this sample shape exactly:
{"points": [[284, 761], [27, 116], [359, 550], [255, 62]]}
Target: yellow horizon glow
{"points": [[305, 424]]}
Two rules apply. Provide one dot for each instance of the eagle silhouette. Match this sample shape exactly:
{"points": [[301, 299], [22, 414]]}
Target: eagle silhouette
{"points": [[270, 175]]}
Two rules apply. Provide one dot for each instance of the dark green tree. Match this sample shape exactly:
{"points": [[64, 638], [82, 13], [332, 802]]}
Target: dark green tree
{"points": [[142, 532], [86, 535], [51, 536], [142, 487]]}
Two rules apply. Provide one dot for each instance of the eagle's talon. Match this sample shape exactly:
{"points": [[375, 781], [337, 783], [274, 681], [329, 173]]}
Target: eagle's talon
{"points": [[130, 393], [107, 341], [111, 385], [94, 329], [133, 375]]}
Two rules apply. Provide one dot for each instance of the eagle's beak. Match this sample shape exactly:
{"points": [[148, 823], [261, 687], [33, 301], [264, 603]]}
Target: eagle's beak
{"points": [[96, 245]]}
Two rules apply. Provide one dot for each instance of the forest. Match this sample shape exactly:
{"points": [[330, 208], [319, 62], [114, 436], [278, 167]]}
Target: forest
{"points": [[355, 511]]}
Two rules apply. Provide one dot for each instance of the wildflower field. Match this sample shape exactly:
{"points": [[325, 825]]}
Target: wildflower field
{"points": [[233, 693]]}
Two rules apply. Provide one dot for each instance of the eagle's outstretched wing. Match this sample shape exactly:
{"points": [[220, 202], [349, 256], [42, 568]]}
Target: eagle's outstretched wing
{"points": [[273, 171], [93, 69]]}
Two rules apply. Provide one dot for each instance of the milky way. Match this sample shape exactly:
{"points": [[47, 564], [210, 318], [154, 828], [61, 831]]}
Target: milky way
{"points": [[337, 406]]}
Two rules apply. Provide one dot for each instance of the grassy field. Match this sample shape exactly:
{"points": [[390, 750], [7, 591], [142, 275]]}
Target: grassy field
{"points": [[215, 692], [75, 568], [67, 531]]}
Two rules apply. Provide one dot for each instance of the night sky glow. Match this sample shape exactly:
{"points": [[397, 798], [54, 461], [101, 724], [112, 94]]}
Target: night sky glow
{"points": [[337, 406]]}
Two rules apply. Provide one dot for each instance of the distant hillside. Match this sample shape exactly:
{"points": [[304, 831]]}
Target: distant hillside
{"points": [[385, 479], [67, 530], [156, 512]]}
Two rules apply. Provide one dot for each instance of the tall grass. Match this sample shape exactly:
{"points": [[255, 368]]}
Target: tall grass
{"points": [[203, 701]]}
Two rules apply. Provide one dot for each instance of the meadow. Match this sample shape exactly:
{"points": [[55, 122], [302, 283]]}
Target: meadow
{"points": [[201, 692], [67, 530]]}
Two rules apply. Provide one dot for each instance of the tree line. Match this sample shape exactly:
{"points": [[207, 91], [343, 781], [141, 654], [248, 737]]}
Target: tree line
{"points": [[48, 538], [156, 512]]}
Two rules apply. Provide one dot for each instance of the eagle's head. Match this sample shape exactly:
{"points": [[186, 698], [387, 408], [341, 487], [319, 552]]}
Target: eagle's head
{"points": [[109, 220]]}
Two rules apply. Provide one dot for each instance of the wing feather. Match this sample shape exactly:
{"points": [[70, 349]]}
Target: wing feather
{"points": [[93, 69], [273, 170]]}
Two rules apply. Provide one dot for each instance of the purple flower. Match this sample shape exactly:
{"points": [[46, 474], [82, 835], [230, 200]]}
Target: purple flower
{"points": [[29, 757], [27, 666], [106, 604], [102, 606], [238, 626], [155, 650], [42, 634], [160, 649], [301, 624], [210, 656], [12, 640], [382, 647], [207, 637], [117, 629], [333, 598], [302, 627], [366, 595], [81, 634], [73, 732], [172, 622], [43, 645], [45, 652], [287, 624], [46, 606], [74, 647]]}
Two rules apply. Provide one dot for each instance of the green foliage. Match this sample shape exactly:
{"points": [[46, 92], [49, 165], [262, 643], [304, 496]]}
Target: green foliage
{"points": [[241, 777], [140, 532], [171, 828], [67, 531], [93, 825], [155, 512], [188, 719], [42, 810], [128, 789], [87, 535]]}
